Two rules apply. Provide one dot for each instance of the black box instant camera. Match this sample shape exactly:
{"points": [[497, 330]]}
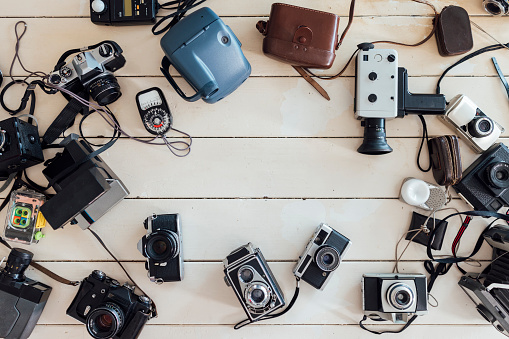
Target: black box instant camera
{"points": [[85, 191], [20, 146], [108, 309], [22, 300]]}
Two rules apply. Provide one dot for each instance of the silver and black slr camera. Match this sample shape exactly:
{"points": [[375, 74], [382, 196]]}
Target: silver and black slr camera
{"points": [[485, 183], [394, 297], [162, 246], [22, 299], [496, 7], [91, 72], [108, 309], [247, 272], [322, 256], [473, 126]]}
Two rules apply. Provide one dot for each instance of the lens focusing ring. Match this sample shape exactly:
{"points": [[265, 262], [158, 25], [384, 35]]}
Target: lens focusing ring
{"points": [[481, 127], [498, 175], [169, 239], [327, 258], [400, 296], [252, 297], [94, 319], [104, 89]]}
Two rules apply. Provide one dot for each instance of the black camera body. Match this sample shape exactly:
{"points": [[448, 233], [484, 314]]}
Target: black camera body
{"points": [[108, 309], [22, 299], [162, 246], [20, 146], [322, 256], [123, 12], [85, 190], [485, 183], [248, 273]]}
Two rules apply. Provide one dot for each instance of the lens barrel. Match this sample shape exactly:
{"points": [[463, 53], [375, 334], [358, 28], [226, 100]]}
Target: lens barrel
{"points": [[400, 296], [498, 175], [496, 7], [162, 245], [481, 127], [105, 321], [374, 142], [104, 89], [327, 258], [17, 263]]}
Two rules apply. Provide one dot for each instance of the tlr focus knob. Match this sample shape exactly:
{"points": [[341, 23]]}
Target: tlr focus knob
{"points": [[98, 6]]}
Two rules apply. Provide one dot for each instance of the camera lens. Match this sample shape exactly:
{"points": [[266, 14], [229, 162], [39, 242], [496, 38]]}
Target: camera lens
{"points": [[374, 142], [498, 175], [105, 321], [495, 7], [327, 258], [481, 127], [17, 263], [246, 274], [162, 245], [105, 89], [257, 295], [400, 296]]}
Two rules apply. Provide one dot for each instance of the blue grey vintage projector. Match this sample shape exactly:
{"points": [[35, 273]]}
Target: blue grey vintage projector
{"points": [[207, 54]]}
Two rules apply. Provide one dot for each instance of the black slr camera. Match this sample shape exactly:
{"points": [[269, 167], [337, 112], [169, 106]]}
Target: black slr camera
{"points": [[247, 272], [20, 146], [322, 256], [22, 299], [91, 72], [162, 246], [108, 309], [485, 183]]}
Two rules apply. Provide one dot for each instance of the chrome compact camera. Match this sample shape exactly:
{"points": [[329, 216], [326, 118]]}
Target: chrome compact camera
{"points": [[162, 246], [473, 126], [247, 272], [322, 256], [496, 7], [108, 309], [91, 72], [394, 297]]}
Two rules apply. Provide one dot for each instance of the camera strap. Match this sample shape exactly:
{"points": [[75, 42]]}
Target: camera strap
{"points": [[383, 332], [501, 75], [181, 7]]}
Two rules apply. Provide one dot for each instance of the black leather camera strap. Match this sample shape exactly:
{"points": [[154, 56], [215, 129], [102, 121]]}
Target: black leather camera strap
{"points": [[181, 7], [500, 75], [383, 332]]}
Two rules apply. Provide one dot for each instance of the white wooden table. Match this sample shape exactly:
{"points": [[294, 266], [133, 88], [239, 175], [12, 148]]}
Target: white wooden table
{"points": [[268, 164]]}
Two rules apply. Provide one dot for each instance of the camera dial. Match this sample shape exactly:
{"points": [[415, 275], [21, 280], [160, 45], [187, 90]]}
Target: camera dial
{"points": [[400, 296], [327, 258], [498, 175], [258, 295], [105, 321], [480, 127]]}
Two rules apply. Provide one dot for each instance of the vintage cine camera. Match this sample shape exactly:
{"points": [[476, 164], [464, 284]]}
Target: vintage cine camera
{"points": [[162, 246], [322, 256], [496, 7], [473, 126], [85, 190], [123, 12], [91, 72], [22, 299], [394, 297], [20, 146], [381, 92], [485, 183], [247, 272], [108, 309], [24, 222]]}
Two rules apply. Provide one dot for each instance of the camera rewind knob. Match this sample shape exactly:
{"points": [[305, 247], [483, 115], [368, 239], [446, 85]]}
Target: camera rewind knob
{"points": [[391, 58], [98, 6], [105, 50]]}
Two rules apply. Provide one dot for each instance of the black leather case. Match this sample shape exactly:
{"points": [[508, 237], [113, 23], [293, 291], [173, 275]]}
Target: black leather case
{"points": [[454, 34]]}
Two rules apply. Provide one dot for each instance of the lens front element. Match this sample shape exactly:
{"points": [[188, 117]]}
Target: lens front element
{"points": [[257, 295], [400, 296], [105, 321], [327, 258]]}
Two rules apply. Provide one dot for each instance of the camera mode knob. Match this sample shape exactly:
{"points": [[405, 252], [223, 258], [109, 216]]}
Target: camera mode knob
{"points": [[98, 6], [55, 79], [129, 287], [372, 76], [145, 299], [372, 98], [391, 58], [105, 50], [99, 275]]}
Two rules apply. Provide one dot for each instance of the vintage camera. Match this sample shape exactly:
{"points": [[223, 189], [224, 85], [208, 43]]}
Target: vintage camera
{"points": [[381, 92], [485, 183], [123, 12], [162, 246], [498, 237], [91, 72], [394, 297], [322, 256], [108, 309], [496, 7], [472, 125], [24, 222], [85, 190], [22, 299], [247, 272], [20, 146]]}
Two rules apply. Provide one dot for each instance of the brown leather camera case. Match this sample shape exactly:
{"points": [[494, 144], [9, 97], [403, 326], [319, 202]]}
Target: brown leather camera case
{"points": [[454, 34], [445, 159], [300, 36]]}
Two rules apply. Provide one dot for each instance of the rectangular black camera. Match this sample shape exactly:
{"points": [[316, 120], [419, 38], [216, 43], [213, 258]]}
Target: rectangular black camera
{"points": [[22, 299], [322, 256], [108, 309], [20, 146], [123, 12], [247, 272], [394, 297], [485, 183], [162, 246], [85, 190]]}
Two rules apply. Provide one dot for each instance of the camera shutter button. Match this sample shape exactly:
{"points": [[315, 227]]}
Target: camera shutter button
{"points": [[98, 6]]}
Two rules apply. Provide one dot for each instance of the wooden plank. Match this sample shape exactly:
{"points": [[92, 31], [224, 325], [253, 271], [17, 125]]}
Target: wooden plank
{"points": [[203, 298], [145, 59], [282, 227]]}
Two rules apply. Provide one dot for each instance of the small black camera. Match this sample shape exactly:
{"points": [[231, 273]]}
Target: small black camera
{"points": [[322, 256], [20, 146], [108, 309], [22, 299], [485, 183], [123, 12], [162, 246], [247, 272]]}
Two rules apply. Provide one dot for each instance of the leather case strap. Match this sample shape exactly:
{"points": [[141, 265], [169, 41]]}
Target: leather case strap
{"points": [[312, 82]]}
